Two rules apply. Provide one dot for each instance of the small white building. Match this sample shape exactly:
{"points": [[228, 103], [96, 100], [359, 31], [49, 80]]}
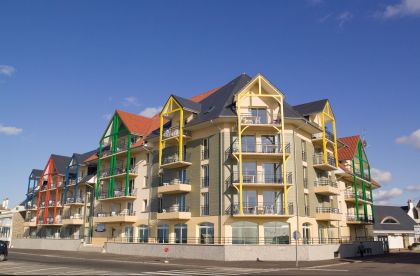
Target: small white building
{"points": [[8, 217], [394, 225]]}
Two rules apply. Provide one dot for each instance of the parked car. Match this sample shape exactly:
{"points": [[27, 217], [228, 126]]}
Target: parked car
{"points": [[3, 250]]}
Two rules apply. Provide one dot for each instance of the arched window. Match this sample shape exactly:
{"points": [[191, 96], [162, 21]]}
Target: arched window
{"points": [[244, 232], [276, 232], [181, 233], [206, 230], [144, 233], [163, 233], [390, 220]]}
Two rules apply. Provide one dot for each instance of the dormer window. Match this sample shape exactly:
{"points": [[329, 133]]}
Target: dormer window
{"points": [[390, 220], [259, 115]]}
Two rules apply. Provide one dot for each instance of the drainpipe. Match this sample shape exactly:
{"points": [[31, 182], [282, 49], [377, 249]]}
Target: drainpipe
{"points": [[221, 147]]}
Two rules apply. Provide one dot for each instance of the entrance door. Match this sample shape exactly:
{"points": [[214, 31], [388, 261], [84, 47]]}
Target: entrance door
{"points": [[385, 244]]}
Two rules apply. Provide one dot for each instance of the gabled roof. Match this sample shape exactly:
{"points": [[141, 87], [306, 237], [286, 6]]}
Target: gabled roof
{"points": [[348, 152], [291, 113], [81, 157], [60, 163], [136, 124], [188, 104], [406, 223], [220, 103], [311, 107], [36, 173]]}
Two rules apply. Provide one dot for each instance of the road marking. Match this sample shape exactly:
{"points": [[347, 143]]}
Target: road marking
{"points": [[42, 269], [327, 265], [325, 269]]}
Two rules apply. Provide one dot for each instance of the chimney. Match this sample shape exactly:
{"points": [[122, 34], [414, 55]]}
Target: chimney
{"points": [[5, 203], [410, 205]]}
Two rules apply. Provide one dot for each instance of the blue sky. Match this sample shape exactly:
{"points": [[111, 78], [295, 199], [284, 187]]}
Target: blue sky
{"points": [[66, 65]]}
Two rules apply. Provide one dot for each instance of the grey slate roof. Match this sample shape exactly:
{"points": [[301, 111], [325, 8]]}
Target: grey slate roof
{"points": [[86, 178], [311, 107], [381, 212], [36, 173], [60, 163], [221, 104], [188, 104], [80, 157]]}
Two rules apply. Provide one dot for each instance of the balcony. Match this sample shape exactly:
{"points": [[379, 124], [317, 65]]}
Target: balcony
{"points": [[52, 204], [172, 134], [125, 216], [317, 138], [173, 162], [121, 148], [352, 219], [50, 222], [318, 160], [75, 202], [261, 150], [326, 186], [327, 214], [349, 196], [264, 210], [118, 195], [260, 122], [175, 212], [174, 186], [119, 172], [75, 219], [261, 179]]}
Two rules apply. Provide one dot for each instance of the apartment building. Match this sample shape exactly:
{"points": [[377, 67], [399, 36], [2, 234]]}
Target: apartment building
{"points": [[122, 195], [234, 165]]}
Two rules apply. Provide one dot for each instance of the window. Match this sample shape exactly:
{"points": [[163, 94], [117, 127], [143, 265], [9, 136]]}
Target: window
{"points": [[144, 233], [248, 143], [131, 187], [182, 176], [273, 202], [276, 232], [180, 200], [272, 173], [303, 145], [269, 144], [205, 151], [180, 233], [205, 176], [306, 202], [132, 162], [305, 177], [259, 115], [145, 205], [128, 234], [389, 220], [249, 172], [206, 230], [163, 233], [244, 232], [205, 204]]}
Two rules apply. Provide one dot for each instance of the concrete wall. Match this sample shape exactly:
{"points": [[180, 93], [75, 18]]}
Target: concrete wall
{"points": [[243, 252], [48, 244]]}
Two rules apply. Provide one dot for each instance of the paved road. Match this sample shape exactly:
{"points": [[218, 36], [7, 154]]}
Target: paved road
{"points": [[37, 262]]}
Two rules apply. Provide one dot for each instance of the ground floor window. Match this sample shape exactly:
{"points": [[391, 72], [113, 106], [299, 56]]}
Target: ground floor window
{"points": [[181, 233], [129, 233], [144, 233], [276, 232], [244, 232], [206, 233], [163, 233], [306, 227]]}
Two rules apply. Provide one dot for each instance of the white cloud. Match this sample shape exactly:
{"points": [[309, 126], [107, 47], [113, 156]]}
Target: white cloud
{"points": [[325, 18], [403, 8], [381, 176], [413, 139], [131, 101], [412, 188], [150, 111], [10, 130], [343, 18], [7, 70], [383, 196]]}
